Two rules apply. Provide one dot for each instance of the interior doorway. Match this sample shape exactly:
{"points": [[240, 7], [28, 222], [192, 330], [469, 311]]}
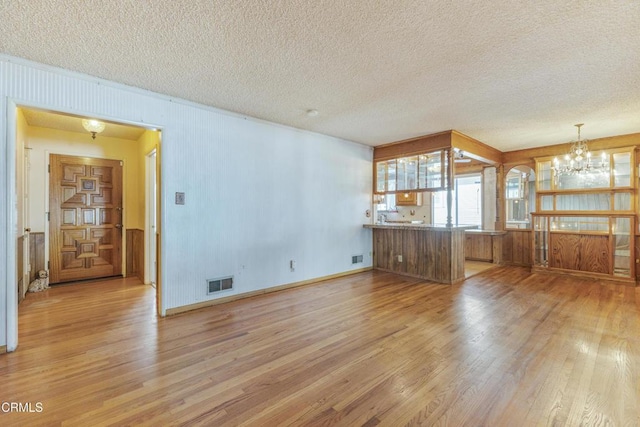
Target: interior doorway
{"points": [[36, 134]]}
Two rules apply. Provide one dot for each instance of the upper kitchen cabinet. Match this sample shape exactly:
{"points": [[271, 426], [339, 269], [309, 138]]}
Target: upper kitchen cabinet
{"points": [[422, 172], [425, 163], [409, 199]]}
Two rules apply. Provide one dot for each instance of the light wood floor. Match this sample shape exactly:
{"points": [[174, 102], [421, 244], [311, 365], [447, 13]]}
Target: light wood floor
{"points": [[471, 268], [503, 348]]}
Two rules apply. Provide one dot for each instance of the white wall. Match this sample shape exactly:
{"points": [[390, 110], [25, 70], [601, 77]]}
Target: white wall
{"points": [[257, 194]]}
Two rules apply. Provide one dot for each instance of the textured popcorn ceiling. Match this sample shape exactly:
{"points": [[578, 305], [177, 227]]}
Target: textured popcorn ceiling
{"points": [[513, 74]]}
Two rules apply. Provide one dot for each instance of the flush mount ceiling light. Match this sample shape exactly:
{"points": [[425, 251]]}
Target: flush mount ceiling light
{"points": [[578, 160], [93, 126], [458, 156], [312, 113]]}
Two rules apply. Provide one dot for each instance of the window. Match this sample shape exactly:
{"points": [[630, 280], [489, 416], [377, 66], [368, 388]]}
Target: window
{"points": [[387, 203], [520, 197], [466, 208]]}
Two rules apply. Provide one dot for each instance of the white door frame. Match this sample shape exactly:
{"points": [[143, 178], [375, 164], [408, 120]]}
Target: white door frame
{"points": [[151, 219], [11, 229], [11, 226], [26, 195]]}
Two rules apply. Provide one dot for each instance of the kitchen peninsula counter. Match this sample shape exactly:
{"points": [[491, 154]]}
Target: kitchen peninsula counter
{"points": [[425, 251]]}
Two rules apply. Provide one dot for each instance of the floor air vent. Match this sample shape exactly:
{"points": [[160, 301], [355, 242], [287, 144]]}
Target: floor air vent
{"points": [[356, 259], [221, 284]]}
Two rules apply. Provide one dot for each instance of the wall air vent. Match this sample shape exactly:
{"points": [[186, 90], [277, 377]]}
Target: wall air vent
{"points": [[220, 284], [356, 259]]}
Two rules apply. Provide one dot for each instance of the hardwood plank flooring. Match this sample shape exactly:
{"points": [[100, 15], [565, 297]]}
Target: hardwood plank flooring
{"points": [[503, 348]]}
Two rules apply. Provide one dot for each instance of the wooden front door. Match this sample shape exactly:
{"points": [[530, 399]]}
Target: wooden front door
{"points": [[85, 228]]}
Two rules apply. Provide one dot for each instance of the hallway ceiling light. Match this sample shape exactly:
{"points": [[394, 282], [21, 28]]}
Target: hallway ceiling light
{"points": [[93, 126], [578, 160]]}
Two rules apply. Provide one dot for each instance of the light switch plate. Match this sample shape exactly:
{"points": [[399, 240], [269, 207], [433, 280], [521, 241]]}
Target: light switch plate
{"points": [[179, 198]]}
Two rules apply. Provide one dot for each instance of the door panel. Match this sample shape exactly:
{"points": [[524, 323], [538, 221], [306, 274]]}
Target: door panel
{"points": [[85, 204]]}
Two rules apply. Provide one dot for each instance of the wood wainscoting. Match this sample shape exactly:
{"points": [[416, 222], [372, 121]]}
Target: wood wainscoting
{"points": [[431, 253], [516, 247], [135, 253]]}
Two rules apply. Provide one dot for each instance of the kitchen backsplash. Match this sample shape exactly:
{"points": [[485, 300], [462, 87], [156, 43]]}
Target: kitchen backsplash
{"points": [[420, 213]]}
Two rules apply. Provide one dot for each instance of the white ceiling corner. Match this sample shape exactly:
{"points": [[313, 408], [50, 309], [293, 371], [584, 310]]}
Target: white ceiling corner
{"points": [[511, 74]]}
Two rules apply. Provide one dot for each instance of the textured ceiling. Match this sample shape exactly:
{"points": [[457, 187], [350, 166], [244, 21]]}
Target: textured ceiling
{"points": [[512, 74]]}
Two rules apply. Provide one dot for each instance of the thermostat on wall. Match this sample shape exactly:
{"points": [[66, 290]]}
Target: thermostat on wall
{"points": [[179, 198]]}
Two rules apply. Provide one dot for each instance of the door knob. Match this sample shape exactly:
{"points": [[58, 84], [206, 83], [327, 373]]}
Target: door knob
{"points": [[118, 225]]}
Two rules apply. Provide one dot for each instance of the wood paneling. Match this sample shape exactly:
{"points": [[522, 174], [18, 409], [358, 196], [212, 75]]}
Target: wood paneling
{"points": [[476, 149], [407, 147], [526, 156], [36, 254], [505, 348], [135, 253], [478, 247], [436, 255], [580, 252], [516, 247], [637, 252], [20, 268]]}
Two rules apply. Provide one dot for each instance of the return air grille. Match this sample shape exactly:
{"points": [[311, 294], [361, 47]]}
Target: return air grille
{"points": [[221, 284]]}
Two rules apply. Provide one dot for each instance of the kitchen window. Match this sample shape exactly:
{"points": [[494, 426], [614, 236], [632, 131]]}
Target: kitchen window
{"points": [[466, 208]]}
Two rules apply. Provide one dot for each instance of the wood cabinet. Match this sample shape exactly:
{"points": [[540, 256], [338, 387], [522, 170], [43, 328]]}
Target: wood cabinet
{"points": [[586, 220], [409, 199], [431, 253], [478, 247], [580, 252], [484, 245], [424, 171]]}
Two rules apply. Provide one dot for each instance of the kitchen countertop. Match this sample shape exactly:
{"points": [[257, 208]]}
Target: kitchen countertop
{"points": [[406, 225], [486, 232]]}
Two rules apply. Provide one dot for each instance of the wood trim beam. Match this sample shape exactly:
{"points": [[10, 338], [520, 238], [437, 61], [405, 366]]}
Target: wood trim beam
{"points": [[475, 149], [408, 147], [526, 156]]}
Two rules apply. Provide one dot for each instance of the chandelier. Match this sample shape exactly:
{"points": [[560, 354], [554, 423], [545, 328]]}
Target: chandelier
{"points": [[578, 161]]}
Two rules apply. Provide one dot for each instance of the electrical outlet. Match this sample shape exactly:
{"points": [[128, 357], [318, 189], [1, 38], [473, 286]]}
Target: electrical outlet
{"points": [[179, 198], [399, 258], [292, 265]]}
